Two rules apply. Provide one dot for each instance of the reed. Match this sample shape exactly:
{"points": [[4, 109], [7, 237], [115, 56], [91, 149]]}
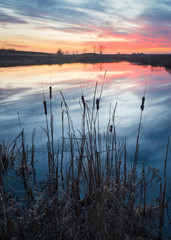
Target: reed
{"points": [[90, 192], [163, 194]]}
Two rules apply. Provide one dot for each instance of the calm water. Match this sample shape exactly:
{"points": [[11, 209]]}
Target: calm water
{"points": [[21, 91]]}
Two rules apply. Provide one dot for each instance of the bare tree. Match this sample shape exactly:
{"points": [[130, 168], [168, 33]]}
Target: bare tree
{"points": [[95, 49], [75, 52], [101, 49], [59, 52]]}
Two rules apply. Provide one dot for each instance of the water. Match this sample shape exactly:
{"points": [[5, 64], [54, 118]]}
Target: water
{"points": [[22, 90], [21, 102]]}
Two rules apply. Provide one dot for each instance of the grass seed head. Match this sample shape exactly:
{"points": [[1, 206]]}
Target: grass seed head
{"points": [[110, 128], [45, 107], [50, 91], [142, 105], [83, 100], [97, 104]]}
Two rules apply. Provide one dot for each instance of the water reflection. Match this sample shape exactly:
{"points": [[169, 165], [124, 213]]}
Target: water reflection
{"points": [[22, 88]]}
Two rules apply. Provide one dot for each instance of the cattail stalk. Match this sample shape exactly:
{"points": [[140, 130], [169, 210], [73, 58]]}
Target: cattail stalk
{"points": [[48, 142], [138, 137]]}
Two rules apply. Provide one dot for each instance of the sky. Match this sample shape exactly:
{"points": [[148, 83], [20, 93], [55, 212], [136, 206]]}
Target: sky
{"points": [[76, 26]]}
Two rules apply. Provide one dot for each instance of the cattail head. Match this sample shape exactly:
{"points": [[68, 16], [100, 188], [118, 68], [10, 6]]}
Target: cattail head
{"points": [[142, 105], [50, 91], [45, 107], [110, 128], [97, 103], [83, 100]]}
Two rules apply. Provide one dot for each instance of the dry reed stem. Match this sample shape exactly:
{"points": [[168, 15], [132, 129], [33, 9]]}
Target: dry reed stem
{"points": [[96, 194]]}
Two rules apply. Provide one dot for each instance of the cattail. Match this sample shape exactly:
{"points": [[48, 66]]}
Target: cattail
{"points": [[45, 107], [110, 128], [142, 105], [97, 103], [50, 91], [83, 100]]}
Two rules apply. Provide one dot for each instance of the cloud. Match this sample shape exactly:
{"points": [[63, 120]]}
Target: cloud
{"points": [[98, 20], [4, 18], [15, 45], [155, 34], [156, 16], [47, 10], [68, 29], [164, 45]]}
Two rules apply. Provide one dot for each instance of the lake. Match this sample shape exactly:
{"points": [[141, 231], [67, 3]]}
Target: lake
{"points": [[22, 90]]}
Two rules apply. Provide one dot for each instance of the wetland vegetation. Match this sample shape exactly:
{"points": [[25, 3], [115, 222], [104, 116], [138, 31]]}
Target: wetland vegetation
{"points": [[91, 191]]}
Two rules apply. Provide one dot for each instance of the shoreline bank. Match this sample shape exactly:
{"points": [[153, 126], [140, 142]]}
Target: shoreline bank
{"points": [[11, 58]]}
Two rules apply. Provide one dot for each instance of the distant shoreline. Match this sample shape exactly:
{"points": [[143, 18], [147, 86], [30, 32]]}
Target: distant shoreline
{"points": [[11, 58]]}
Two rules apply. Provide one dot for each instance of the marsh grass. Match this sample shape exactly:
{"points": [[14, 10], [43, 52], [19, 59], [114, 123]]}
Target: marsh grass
{"points": [[92, 191]]}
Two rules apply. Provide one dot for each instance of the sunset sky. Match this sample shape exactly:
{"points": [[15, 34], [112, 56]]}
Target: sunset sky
{"points": [[123, 26]]}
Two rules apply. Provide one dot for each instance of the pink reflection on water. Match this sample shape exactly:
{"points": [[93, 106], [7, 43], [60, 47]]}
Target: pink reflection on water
{"points": [[21, 90], [72, 74], [22, 87]]}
